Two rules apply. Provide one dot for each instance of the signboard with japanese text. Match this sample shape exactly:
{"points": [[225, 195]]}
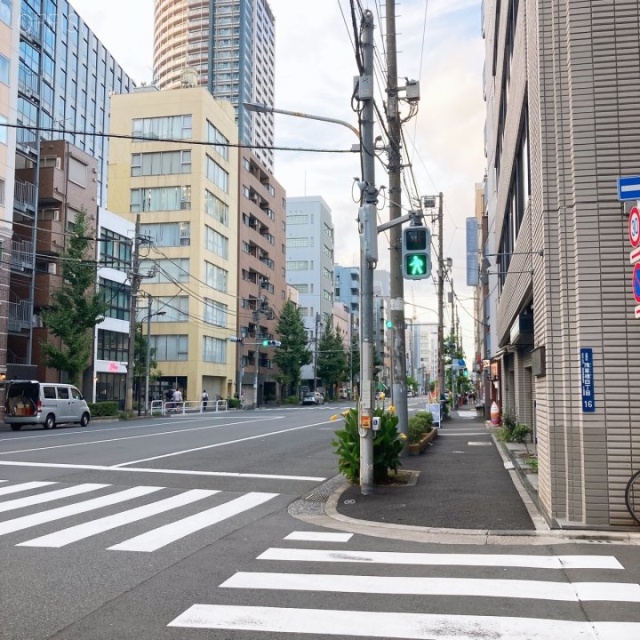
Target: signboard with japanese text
{"points": [[586, 381]]}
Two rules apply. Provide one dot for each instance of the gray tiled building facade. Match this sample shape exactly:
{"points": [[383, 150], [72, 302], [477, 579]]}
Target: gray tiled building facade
{"points": [[562, 85]]}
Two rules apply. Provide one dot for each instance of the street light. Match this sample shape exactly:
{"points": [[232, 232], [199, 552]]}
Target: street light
{"points": [[148, 358]]}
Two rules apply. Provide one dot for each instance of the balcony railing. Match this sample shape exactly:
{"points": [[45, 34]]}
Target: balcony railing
{"points": [[24, 196], [21, 255], [19, 315]]}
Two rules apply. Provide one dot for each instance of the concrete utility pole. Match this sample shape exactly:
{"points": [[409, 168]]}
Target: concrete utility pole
{"points": [[454, 346], [398, 361], [441, 380], [368, 256], [134, 279]]}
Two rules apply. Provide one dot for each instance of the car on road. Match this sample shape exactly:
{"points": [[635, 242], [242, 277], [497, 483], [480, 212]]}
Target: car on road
{"points": [[313, 397], [48, 404]]}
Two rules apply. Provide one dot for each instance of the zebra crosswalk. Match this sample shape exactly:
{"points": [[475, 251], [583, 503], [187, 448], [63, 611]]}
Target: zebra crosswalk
{"points": [[156, 537], [330, 570]]}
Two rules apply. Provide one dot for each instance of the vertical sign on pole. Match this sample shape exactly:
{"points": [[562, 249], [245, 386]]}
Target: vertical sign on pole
{"points": [[586, 379], [634, 256]]}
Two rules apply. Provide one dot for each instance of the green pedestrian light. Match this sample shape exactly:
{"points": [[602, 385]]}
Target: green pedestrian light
{"points": [[416, 253]]}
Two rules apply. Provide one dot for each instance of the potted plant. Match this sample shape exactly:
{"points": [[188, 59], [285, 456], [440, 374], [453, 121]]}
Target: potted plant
{"points": [[420, 432]]}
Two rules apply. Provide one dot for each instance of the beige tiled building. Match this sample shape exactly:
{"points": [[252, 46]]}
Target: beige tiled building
{"points": [[182, 181], [561, 86]]}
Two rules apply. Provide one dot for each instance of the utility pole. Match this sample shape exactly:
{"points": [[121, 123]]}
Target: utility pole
{"points": [[315, 355], [441, 380], [454, 347], [368, 255], [398, 362], [134, 278]]}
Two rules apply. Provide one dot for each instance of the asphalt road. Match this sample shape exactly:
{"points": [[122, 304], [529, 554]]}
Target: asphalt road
{"points": [[178, 529]]}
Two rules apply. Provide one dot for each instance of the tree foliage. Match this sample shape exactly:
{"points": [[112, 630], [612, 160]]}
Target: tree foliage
{"points": [[293, 353], [76, 307], [333, 364]]}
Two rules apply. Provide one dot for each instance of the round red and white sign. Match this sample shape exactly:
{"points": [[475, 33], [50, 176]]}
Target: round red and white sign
{"points": [[634, 227]]}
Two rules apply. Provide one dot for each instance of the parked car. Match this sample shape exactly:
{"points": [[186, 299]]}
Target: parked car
{"points": [[32, 402], [313, 397]]}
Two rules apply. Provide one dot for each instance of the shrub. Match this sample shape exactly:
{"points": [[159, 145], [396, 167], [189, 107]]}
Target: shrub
{"points": [[386, 446], [103, 409], [291, 400], [419, 424], [520, 433], [509, 422], [233, 403]]}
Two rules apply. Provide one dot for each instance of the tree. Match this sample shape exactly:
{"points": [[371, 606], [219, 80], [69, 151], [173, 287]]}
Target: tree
{"points": [[76, 308], [333, 366], [293, 352]]}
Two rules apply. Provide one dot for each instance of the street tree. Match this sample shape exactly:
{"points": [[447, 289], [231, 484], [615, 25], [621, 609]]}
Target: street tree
{"points": [[333, 366], [76, 307], [293, 352]]}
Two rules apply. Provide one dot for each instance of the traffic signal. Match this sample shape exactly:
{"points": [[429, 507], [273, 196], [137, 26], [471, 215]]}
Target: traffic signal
{"points": [[416, 253], [271, 343]]}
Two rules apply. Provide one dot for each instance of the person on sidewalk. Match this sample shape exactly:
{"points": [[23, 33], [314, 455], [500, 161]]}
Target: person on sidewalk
{"points": [[205, 400], [177, 400]]}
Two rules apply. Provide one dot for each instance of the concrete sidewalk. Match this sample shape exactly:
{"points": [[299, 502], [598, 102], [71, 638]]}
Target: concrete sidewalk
{"points": [[462, 483]]}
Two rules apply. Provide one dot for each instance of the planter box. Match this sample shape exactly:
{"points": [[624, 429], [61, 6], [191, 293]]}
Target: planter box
{"points": [[416, 448]]}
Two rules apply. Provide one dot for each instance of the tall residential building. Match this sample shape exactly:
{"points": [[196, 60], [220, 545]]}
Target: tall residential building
{"points": [[565, 343], [227, 46], [61, 77], [9, 48], [310, 250], [262, 286], [347, 291], [184, 193]]}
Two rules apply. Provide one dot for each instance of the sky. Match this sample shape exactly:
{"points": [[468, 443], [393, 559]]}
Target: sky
{"points": [[439, 43]]}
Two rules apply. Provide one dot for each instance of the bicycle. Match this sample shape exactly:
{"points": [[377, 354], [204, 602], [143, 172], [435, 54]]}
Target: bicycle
{"points": [[632, 496]]}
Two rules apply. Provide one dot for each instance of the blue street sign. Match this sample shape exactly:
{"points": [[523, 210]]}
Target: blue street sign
{"points": [[629, 188], [586, 381]]}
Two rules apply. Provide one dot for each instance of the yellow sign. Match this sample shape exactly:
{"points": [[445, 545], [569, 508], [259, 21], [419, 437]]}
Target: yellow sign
{"points": [[365, 422]]}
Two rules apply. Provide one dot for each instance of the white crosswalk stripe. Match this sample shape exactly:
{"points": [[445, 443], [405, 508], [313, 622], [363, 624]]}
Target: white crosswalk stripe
{"points": [[153, 539], [251, 616], [162, 536], [25, 486]]}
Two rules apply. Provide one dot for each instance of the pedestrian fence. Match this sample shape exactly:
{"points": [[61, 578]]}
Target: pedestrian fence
{"points": [[189, 407]]}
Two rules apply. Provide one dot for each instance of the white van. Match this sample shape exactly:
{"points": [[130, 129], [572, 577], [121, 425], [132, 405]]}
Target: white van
{"points": [[45, 403]]}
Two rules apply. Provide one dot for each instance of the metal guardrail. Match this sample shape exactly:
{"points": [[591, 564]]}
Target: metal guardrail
{"points": [[189, 407]]}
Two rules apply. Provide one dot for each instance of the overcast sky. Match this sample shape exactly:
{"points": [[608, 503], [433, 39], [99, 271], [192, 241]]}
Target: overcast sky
{"points": [[439, 43]]}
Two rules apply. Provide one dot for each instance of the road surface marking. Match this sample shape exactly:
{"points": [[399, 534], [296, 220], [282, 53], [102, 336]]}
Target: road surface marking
{"points": [[443, 559], [25, 486], [162, 536], [319, 536], [185, 472], [18, 524], [138, 437], [220, 444], [468, 587], [50, 496], [80, 532], [387, 624]]}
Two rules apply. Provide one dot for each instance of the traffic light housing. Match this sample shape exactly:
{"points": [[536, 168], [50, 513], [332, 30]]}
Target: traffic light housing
{"points": [[416, 252], [271, 343]]}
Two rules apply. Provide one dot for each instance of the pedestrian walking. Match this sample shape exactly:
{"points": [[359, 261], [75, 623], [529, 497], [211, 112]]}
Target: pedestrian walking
{"points": [[205, 399], [177, 399]]}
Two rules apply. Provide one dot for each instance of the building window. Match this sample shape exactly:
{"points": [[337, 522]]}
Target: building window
{"points": [[297, 242], [115, 250], [216, 208], [4, 69], [216, 277], [161, 163], [117, 297], [176, 308], [169, 127], [216, 242], [5, 11], [214, 350], [1, 191], [215, 313], [171, 347], [217, 175], [219, 142], [327, 295], [112, 346], [77, 171], [174, 270], [299, 219], [160, 199], [3, 130], [170, 234], [297, 265]]}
